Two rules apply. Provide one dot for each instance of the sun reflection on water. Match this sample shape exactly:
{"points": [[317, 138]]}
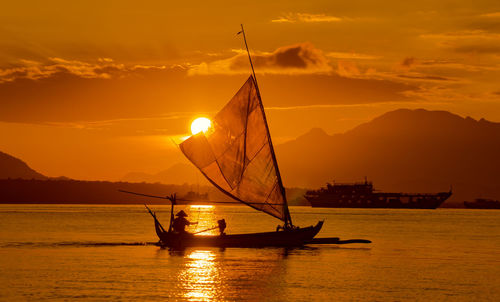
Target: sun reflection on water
{"points": [[201, 206], [200, 276], [205, 216]]}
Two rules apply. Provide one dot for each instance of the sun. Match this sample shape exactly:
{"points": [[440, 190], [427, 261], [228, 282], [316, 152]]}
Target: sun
{"points": [[201, 124]]}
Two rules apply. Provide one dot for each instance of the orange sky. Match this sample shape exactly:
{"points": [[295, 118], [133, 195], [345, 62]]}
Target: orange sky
{"points": [[97, 89]]}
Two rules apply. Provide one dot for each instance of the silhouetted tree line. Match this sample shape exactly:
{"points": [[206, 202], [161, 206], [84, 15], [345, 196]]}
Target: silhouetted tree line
{"points": [[68, 191], [76, 191]]}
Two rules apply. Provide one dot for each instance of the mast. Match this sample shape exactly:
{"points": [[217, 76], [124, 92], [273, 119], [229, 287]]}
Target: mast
{"points": [[288, 218]]}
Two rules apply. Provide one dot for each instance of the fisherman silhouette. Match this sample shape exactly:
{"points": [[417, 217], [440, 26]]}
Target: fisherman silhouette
{"points": [[222, 226], [181, 222]]}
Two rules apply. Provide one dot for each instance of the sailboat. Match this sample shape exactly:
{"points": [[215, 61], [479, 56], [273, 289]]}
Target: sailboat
{"points": [[237, 156]]}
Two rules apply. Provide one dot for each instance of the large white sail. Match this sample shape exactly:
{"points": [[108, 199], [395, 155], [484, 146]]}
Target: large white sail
{"points": [[236, 154]]}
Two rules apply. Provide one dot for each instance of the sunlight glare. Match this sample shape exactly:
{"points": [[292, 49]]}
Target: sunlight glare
{"points": [[201, 124], [200, 276], [201, 206]]}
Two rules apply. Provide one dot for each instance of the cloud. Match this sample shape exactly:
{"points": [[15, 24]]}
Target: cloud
{"points": [[102, 92], [404, 72], [480, 41], [468, 41], [294, 59], [490, 48], [347, 69], [305, 18], [437, 94], [352, 56], [408, 62], [75, 94], [410, 71], [330, 106], [69, 91], [454, 66], [102, 68], [408, 67], [423, 77], [491, 15], [462, 35], [165, 125]]}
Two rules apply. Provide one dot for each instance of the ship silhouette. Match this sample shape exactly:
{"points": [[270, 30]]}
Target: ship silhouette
{"points": [[482, 203], [363, 195]]}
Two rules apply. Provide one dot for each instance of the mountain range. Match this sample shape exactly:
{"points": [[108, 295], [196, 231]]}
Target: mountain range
{"points": [[402, 151], [11, 167]]}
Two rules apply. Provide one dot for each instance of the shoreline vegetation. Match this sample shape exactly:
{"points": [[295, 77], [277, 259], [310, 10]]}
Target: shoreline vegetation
{"points": [[68, 191]]}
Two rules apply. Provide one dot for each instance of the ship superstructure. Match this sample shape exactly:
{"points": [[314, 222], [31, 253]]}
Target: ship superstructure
{"points": [[363, 195]]}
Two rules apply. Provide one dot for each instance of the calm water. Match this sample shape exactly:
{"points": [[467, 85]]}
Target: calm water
{"points": [[71, 252]]}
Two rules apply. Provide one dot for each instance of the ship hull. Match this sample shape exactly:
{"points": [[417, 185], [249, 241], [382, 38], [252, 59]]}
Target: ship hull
{"points": [[287, 238], [363, 195], [382, 201], [432, 205]]}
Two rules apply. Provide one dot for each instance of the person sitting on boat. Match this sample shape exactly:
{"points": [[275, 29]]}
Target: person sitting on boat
{"points": [[181, 222]]}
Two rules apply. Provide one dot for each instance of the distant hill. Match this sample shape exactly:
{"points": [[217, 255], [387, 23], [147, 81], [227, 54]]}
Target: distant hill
{"points": [[403, 151], [65, 191], [11, 167], [21, 184]]}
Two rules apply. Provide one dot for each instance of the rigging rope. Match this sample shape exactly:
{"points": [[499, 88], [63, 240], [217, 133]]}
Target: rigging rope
{"points": [[197, 220]]}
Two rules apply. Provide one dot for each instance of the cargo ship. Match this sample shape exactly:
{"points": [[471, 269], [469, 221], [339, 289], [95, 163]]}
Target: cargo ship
{"points": [[363, 195]]}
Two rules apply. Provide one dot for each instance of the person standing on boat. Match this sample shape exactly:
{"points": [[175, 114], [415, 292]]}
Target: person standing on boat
{"points": [[222, 226], [180, 222]]}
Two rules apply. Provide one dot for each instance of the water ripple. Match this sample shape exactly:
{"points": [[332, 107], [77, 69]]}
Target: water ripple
{"points": [[73, 244]]}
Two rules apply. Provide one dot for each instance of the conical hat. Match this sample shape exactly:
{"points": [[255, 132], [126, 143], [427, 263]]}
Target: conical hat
{"points": [[181, 214]]}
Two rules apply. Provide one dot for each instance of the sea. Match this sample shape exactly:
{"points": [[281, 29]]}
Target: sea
{"points": [[108, 253]]}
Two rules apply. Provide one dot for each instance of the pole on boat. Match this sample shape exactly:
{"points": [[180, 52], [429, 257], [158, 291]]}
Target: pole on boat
{"points": [[206, 230], [288, 217], [249, 57], [157, 223], [172, 199]]}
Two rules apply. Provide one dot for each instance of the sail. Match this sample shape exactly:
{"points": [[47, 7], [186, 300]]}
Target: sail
{"points": [[236, 154]]}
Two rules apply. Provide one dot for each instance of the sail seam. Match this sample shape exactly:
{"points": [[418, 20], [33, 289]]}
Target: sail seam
{"points": [[270, 192], [223, 175], [268, 195], [257, 153], [220, 169], [216, 161], [227, 149]]}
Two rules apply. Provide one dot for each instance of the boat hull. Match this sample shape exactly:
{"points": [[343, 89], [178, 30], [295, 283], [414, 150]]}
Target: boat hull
{"points": [[287, 238]]}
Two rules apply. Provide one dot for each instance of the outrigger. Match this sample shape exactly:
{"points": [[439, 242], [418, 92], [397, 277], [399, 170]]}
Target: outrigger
{"points": [[237, 156]]}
